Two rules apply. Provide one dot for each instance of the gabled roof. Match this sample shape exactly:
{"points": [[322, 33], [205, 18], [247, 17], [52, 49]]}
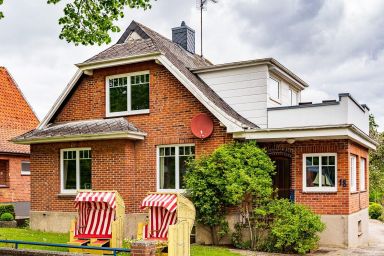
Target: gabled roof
{"points": [[16, 115], [82, 130], [176, 59]]}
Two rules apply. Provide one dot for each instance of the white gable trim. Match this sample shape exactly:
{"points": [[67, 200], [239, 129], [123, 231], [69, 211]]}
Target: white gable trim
{"points": [[60, 100], [230, 123]]}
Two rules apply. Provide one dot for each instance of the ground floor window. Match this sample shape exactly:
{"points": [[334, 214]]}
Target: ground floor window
{"points": [[25, 168], [172, 165], [319, 172], [362, 173], [353, 173], [4, 173], [76, 169]]}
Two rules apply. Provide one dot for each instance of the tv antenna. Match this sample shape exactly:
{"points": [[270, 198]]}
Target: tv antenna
{"points": [[202, 5]]}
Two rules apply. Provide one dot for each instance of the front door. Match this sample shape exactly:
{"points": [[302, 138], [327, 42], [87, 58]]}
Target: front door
{"points": [[282, 177]]}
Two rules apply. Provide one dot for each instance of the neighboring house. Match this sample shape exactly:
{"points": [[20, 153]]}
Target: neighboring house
{"points": [[124, 123], [16, 117]]}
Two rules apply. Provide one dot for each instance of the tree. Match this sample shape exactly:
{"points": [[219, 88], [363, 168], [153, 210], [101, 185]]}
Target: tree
{"points": [[228, 176], [376, 164], [90, 22]]}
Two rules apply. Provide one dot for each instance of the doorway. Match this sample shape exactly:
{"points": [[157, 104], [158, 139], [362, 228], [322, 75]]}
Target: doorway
{"points": [[282, 178]]}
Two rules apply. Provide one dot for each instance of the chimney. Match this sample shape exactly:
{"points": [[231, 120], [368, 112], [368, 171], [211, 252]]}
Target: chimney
{"points": [[184, 36]]}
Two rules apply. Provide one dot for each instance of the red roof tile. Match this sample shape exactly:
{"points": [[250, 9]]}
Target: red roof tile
{"points": [[16, 115]]}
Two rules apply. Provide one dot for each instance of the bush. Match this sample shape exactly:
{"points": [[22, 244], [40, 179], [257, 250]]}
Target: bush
{"points": [[7, 208], [6, 216], [375, 210], [293, 228]]}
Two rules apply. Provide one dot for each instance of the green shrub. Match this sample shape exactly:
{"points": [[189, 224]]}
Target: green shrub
{"points": [[7, 208], [293, 228], [375, 210], [6, 216]]}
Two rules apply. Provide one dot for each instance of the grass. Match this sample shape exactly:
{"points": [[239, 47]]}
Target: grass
{"points": [[46, 237]]}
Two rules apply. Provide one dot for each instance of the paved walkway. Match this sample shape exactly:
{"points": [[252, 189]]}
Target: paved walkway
{"points": [[375, 248]]}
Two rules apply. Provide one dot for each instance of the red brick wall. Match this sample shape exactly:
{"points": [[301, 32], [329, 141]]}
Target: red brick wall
{"points": [[18, 189], [340, 202], [133, 173]]}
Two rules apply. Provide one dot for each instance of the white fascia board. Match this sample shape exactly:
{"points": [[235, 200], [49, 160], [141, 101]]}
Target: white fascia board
{"points": [[117, 61], [308, 133], [60, 100], [84, 137], [230, 123]]}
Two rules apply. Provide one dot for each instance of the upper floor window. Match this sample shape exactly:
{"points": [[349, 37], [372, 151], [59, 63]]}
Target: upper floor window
{"points": [[25, 168], [293, 95], [273, 88], [172, 166], [319, 172], [76, 169], [127, 94]]}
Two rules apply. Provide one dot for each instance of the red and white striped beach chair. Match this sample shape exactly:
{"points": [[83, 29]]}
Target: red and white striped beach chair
{"points": [[100, 220], [170, 221]]}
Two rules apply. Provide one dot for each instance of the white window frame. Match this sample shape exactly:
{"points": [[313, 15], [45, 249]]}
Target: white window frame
{"points": [[71, 191], [279, 89], [363, 169], [177, 171], [24, 173], [129, 111], [318, 189], [353, 173]]}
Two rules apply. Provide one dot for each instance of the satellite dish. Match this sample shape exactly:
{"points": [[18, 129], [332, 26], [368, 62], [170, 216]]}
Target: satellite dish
{"points": [[202, 126]]}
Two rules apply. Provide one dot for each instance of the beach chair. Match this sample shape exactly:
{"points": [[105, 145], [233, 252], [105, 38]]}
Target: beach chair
{"points": [[99, 222], [170, 221]]}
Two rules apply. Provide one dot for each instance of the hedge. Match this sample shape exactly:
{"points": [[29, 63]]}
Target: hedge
{"points": [[7, 208]]}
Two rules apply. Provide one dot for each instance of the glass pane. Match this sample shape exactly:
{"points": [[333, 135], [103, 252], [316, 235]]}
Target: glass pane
{"points": [[273, 88], [324, 160], [315, 160], [313, 176], [328, 176], [308, 161], [183, 160], [167, 172], [69, 174], [140, 96], [331, 160], [118, 99], [25, 167], [85, 173]]}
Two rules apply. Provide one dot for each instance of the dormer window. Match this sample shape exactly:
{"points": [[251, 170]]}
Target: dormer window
{"points": [[127, 94], [273, 89]]}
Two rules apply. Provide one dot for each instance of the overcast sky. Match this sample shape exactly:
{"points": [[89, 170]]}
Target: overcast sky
{"points": [[336, 46]]}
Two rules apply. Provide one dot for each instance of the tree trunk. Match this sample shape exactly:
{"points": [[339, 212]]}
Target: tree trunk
{"points": [[215, 237]]}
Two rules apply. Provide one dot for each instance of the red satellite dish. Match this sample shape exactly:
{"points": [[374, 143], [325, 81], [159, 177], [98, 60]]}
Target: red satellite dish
{"points": [[202, 126]]}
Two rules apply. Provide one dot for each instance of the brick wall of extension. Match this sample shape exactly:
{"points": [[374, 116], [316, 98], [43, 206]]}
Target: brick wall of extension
{"points": [[123, 165], [18, 187], [341, 202]]}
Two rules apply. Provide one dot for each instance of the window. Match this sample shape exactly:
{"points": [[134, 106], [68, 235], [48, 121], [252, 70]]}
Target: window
{"points": [[4, 173], [353, 173], [25, 168], [76, 169], [293, 96], [362, 173], [273, 89], [319, 172], [128, 94], [172, 165]]}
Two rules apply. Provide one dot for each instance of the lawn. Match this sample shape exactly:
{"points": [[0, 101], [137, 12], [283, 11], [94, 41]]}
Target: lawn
{"points": [[37, 236]]}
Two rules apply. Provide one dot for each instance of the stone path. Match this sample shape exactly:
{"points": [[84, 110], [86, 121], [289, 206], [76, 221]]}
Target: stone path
{"points": [[375, 248]]}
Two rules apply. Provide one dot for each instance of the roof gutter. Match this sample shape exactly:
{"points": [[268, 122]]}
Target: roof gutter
{"points": [[117, 61], [83, 137]]}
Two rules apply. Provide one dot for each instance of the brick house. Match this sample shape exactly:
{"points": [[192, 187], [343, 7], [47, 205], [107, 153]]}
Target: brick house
{"points": [[124, 123], [16, 116]]}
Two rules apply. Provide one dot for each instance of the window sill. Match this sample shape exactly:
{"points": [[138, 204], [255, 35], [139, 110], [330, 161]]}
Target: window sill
{"points": [[25, 174], [128, 113], [4, 186], [275, 100], [181, 191], [319, 191], [355, 192]]}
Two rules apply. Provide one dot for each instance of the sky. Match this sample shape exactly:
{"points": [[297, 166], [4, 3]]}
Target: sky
{"points": [[336, 46]]}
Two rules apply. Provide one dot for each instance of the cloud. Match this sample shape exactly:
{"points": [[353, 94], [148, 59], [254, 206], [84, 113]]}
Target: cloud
{"points": [[336, 46]]}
